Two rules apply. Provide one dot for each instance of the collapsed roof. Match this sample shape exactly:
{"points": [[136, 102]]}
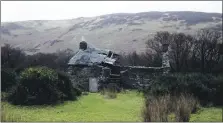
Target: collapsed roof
{"points": [[89, 55]]}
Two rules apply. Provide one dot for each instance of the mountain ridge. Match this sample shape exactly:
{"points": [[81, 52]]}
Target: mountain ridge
{"points": [[114, 14], [121, 32]]}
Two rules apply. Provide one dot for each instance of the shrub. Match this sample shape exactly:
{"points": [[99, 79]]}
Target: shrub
{"points": [[217, 85], [202, 86], [8, 79], [37, 86], [41, 85], [4, 96], [66, 87]]}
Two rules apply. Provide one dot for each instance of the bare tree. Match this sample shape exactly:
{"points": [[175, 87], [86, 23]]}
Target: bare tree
{"points": [[180, 45], [11, 57], [133, 58], [162, 37], [205, 48], [159, 39]]}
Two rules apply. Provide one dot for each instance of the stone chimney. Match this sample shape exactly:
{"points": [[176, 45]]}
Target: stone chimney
{"points": [[83, 44]]}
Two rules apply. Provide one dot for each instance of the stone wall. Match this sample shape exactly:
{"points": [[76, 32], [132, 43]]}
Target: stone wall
{"points": [[80, 75], [134, 75]]}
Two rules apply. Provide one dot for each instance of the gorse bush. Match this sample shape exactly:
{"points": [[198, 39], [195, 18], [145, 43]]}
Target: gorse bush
{"points": [[66, 87], [41, 85], [205, 87], [37, 86]]}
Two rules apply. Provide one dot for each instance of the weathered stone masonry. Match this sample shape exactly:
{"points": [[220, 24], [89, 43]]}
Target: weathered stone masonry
{"points": [[90, 62]]}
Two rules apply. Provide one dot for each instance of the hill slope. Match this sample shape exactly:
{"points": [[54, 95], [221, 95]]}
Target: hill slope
{"points": [[122, 32]]}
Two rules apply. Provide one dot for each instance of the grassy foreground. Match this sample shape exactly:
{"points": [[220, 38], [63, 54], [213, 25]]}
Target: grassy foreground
{"points": [[92, 107], [208, 115], [95, 107]]}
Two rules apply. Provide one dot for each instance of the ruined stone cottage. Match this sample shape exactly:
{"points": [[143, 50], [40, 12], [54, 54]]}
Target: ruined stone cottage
{"points": [[90, 65]]}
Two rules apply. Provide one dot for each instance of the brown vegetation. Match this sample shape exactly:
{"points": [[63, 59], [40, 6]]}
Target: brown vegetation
{"points": [[158, 109]]}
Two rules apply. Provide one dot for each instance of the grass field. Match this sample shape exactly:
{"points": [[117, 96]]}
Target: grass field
{"points": [[95, 107], [208, 115]]}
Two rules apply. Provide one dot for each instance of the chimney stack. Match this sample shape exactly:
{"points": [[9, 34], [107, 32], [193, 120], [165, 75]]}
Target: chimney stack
{"points": [[83, 44]]}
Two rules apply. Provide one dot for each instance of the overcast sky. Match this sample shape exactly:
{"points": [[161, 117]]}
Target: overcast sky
{"points": [[57, 10]]}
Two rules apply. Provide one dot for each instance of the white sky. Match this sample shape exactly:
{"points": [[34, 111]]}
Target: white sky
{"points": [[57, 10]]}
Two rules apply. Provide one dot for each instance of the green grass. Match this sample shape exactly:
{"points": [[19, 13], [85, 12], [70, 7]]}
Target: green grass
{"points": [[212, 114], [92, 107], [95, 107]]}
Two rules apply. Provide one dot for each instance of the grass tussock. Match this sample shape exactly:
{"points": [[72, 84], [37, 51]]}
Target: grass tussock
{"points": [[109, 93], [8, 117], [157, 109], [185, 105]]}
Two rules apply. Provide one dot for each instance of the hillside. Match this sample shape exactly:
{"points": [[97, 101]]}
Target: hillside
{"points": [[122, 32]]}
